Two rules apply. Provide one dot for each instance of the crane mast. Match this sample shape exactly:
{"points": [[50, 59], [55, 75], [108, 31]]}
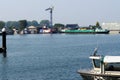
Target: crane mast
{"points": [[51, 15]]}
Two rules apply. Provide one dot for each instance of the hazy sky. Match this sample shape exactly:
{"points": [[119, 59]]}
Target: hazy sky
{"points": [[82, 12]]}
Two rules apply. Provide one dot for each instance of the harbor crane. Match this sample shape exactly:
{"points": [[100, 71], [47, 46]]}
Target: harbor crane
{"points": [[51, 15]]}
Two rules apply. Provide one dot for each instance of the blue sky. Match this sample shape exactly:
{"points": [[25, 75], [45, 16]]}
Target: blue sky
{"points": [[82, 12]]}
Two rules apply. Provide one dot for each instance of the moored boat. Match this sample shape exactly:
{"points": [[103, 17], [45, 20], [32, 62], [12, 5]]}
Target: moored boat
{"points": [[45, 30], [104, 68], [85, 31]]}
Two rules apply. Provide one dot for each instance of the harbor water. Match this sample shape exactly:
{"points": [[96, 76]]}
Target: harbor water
{"points": [[53, 56]]}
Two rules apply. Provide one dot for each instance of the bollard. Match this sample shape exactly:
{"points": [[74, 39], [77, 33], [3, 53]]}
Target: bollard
{"points": [[4, 42]]}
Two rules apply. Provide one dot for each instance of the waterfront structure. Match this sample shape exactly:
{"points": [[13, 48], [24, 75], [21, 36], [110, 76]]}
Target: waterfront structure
{"points": [[15, 31], [32, 29], [113, 27]]}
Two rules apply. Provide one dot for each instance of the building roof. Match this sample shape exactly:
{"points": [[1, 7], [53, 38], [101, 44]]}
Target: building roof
{"points": [[72, 26], [31, 27]]}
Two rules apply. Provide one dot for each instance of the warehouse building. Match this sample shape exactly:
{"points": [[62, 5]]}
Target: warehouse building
{"points": [[113, 27]]}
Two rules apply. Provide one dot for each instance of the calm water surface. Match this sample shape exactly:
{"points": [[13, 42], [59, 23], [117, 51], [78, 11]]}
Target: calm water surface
{"points": [[53, 57]]}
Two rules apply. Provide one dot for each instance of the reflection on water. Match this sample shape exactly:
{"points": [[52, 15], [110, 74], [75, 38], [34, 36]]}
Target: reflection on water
{"points": [[4, 66]]}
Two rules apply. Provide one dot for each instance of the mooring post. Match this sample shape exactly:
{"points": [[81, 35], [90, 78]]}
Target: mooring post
{"points": [[4, 42]]}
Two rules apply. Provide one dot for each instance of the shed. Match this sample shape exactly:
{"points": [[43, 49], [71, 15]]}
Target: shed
{"points": [[32, 29]]}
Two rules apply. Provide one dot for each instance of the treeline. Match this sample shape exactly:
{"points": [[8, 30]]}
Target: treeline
{"points": [[21, 24]]}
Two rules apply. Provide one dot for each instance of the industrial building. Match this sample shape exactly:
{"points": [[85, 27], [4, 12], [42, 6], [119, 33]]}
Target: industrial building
{"points": [[113, 27]]}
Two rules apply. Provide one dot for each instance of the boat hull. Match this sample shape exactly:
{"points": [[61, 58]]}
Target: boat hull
{"points": [[85, 31], [94, 76]]}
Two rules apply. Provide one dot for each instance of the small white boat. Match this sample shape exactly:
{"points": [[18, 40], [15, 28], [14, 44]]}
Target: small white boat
{"points": [[104, 68]]}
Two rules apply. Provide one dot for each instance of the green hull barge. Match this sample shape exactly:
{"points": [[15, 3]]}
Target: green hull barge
{"points": [[97, 31]]}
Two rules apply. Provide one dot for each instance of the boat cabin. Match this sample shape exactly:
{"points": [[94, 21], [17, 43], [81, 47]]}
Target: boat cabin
{"points": [[107, 63]]}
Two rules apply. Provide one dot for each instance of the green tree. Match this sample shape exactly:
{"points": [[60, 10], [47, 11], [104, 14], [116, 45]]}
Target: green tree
{"points": [[29, 23], [23, 24], [58, 26], [97, 23], [45, 23], [12, 24], [34, 23], [96, 26], [2, 24]]}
